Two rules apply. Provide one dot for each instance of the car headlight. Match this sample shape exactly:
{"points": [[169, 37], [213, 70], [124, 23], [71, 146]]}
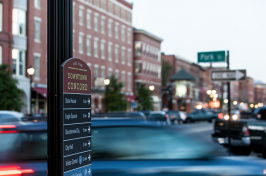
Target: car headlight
{"points": [[226, 117], [234, 117]]}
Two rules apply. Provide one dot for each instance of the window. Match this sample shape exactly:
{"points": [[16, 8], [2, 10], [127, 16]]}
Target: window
{"points": [[110, 28], [110, 7], [129, 81], [116, 53], [117, 10], [117, 74], [128, 36], [19, 22], [96, 3], [37, 4], [96, 15], [110, 51], [88, 44], [1, 17], [103, 4], [123, 33], [116, 30], [96, 67], [81, 43], [1, 55], [103, 71], [103, 25], [81, 9], [37, 66], [123, 79], [137, 48], [37, 28], [138, 67], [110, 72], [73, 12], [88, 19], [123, 55], [18, 59], [128, 57], [96, 47], [103, 49]]}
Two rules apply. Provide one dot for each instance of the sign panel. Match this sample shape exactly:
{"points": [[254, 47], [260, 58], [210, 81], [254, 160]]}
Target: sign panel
{"points": [[214, 56], [76, 117], [228, 75]]}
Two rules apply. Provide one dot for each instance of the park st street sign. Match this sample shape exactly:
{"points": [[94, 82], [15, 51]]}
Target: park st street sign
{"points": [[214, 56], [228, 75]]}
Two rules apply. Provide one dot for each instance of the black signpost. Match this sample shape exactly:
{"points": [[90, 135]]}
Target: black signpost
{"points": [[76, 117]]}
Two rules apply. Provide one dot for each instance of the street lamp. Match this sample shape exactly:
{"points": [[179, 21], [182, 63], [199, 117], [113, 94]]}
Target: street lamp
{"points": [[30, 72], [106, 83], [151, 88]]}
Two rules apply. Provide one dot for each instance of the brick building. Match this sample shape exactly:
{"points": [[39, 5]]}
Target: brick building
{"points": [[147, 59], [260, 93], [246, 90], [102, 37]]}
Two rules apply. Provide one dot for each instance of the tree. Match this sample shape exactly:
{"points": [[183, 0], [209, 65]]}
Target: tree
{"points": [[144, 98], [9, 92], [166, 70], [114, 99]]}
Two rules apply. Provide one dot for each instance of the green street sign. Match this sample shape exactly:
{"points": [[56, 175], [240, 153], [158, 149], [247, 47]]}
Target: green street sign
{"points": [[214, 56]]}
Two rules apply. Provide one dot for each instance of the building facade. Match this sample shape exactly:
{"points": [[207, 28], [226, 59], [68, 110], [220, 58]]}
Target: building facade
{"points": [[147, 64]]}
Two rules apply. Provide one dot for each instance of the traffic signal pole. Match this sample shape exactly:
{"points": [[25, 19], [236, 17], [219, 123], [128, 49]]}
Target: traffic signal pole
{"points": [[59, 46], [229, 106]]}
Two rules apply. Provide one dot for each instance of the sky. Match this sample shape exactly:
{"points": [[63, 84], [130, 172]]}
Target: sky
{"points": [[191, 26]]}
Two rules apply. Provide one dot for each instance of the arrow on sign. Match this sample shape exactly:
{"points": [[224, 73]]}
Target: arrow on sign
{"points": [[239, 75], [228, 75]]}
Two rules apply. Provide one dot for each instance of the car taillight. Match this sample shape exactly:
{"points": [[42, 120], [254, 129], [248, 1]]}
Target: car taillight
{"points": [[7, 129], [14, 171], [245, 130], [220, 116], [166, 116]]}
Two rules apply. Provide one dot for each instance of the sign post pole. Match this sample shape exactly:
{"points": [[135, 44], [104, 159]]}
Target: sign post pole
{"points": [[59, 48], [229, 106]]}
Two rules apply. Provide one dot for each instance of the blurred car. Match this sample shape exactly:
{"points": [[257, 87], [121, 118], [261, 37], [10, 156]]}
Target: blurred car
{"points": [[202, 115], [10, 116], [162, 117], [134, 115], [23, 149], [127, 148], [176, 117], [121, 147]]}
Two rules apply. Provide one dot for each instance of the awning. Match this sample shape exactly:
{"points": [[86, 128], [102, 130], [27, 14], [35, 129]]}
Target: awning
{"points": [[130, 98], [40, 90], [182, 75]]}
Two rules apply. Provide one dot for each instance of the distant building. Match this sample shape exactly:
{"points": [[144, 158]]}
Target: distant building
{"points": [[187, 80], [147, 60], [246, 90], [260, 93]]}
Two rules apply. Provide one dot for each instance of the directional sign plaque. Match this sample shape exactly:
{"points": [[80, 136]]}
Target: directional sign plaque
{"points": [[228, 75], [214, 56], [76, 118]]}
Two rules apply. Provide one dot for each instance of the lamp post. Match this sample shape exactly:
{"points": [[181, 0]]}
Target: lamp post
{"points": [[106, 82], [30, 72], [151, 88]]}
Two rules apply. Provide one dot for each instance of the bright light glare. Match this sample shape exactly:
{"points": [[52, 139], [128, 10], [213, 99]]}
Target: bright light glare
{"points": [[234, 117], [226, 101], [213, 91], [199, 106], [226, 117], [235, 102], [107, 81], [209, 92]]}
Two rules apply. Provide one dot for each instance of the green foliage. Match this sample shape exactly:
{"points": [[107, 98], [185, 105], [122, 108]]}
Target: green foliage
{"points": [[144, 98], [9, 92], [113, 97], [166, 70]]}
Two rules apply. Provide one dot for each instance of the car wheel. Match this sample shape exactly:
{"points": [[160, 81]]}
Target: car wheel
{"points": [[211, 120], [241, 150], [175, 122]]}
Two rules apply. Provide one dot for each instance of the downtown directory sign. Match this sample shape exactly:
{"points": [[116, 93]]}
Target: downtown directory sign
{"points": [[76, 118]]}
